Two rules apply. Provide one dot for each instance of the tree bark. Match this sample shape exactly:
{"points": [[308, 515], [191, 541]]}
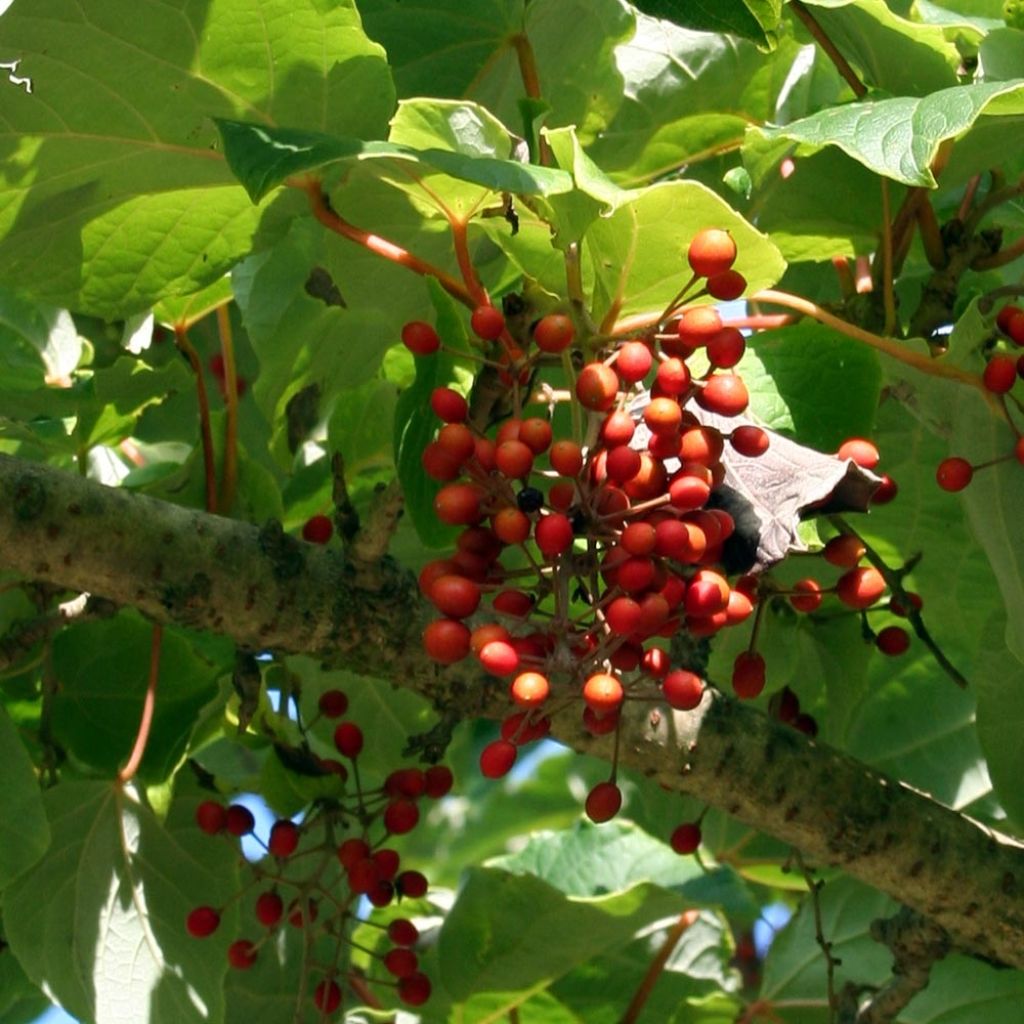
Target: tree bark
{"points": [[266, 590]]}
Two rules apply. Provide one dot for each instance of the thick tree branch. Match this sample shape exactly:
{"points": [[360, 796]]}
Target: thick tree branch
{"points": [[266, 590]]}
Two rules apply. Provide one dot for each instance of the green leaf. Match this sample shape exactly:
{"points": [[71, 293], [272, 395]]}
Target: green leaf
{"points": [[110, 938], [24, 832], [103, 668], [829, 383], [899, 138], [21, 1002], [263, 158], [893, 54], [1001, 55], [590, 860], [751, 19], [687, 96], [115, 194], [512, 932], [447, 48]]}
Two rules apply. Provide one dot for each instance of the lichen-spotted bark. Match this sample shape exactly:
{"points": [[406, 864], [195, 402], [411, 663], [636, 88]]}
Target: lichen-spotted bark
{"points": [[267, 592]]}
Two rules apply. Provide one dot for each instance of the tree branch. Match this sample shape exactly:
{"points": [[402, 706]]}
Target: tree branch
{"points": [[267, 590]]}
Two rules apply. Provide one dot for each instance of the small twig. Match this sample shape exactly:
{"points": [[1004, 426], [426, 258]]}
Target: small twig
{"points": [[931, 235], [889, 346], [968, 200], [1001, 258], [346, 518], [815, 886], [209, 465], [531, 84], [127, 773], [885, 265], [327, 216], [371, 542], [822, 39], [657, 966], [229, 471], [996, 197], [894, 581]]}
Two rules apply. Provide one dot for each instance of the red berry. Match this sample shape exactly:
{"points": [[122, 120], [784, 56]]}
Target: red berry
{"points": [[893, 640], [859, 451], [455, 596], [554, 332], [597, 386], [239, 820], [202, 922], [553, 534], [860, 588], [633, 362], [1000, 374], [529, 689], [412, 884], [458, 505], [405, 782], [446, 641], [603, 693], [401, 962], [725, 394], [844, 551], [487, 323], [241, 954], [725, 349], [603, 802], [449, 405], [211, 817], [784, 705], [954, 474], [327, 996], [807, 597], [566, 457], [497, 758], [420, 338], [332, 703], [1005, 315], [414, 990], [748, 675], [887, 491], [686, 838], [403, 932], [438, 781], [401, 816], [352, 851], [697, 325], [269, 909], [727, 285], [683, 689], [348, 738], [1015, 328], [751, 442], [284, 838], [711, 252], [518, 729], [318, 529]]}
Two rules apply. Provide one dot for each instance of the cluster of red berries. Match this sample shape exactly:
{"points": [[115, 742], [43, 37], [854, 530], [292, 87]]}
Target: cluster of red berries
{"points": [[582, 556], [311, 881], [1000, 375]]}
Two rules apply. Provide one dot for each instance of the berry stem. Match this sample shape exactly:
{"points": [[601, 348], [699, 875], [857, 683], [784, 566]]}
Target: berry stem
{"points": [[229, 471], [894, 581], [657, 965], [324, 213], [831, 50], [889, 346], [531, 84], [127, 773], [460, 240], [210, 470]]}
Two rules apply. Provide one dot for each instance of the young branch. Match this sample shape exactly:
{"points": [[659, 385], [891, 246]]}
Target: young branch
{"points": [[831, 50], [229, 472], [657, 966], [268, 591], [209, 467], [127, 773], [324, 213]]}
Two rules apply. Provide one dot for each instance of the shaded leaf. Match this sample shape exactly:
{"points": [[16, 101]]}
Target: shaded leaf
{"points": [[751, 19], [24, 832]]}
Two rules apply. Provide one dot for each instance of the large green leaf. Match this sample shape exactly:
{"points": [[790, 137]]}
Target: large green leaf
{"points": [[103, 669], [109, 939], [688, 95], [115, 194], [452, 49], [511, 932], [898, 138], [263, 157], [24, 832], [751, 19], [891, 53]]}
